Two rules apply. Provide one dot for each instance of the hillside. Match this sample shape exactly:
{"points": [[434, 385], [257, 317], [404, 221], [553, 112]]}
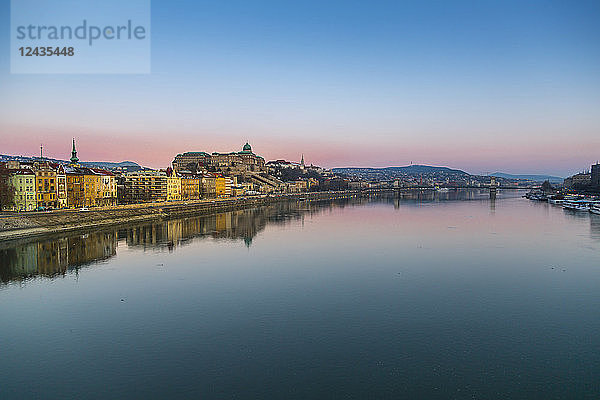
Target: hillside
{"points": [[129, 165], [535, 178], [394, 172]]}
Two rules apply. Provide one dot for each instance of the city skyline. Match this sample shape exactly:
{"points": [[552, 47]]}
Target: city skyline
{"points": [[42, 154], [479, 87]]}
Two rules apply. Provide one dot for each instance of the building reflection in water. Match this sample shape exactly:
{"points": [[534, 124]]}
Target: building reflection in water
{"points": [[424, 196], [52, 258], [241, 225], [595, 226], [56, 257]]}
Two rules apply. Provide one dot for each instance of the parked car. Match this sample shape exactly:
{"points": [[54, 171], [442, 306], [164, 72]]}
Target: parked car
{"points": [[84, 209]]}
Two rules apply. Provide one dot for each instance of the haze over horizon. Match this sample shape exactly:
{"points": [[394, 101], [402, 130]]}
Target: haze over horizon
{"points": [[482, 87], [334, 167]]}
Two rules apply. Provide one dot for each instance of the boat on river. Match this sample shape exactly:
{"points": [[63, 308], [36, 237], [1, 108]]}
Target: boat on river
{"points": [[556, 199], [577, 205], [537, 196]]}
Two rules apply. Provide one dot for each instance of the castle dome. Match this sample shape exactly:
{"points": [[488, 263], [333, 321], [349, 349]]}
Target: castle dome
{"points": [[247, 147]]}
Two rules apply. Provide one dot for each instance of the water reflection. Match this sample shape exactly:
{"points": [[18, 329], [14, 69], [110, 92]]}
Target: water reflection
{"points": [[432, 196], [241, 225], [595, 226], [54, 257], [420, 296]]}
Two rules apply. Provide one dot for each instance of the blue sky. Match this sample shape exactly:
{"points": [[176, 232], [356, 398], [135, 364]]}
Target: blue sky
{"points": [[479, 85]]}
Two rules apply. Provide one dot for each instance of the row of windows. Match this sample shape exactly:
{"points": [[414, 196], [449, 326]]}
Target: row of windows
{"points": [[62, 192]]}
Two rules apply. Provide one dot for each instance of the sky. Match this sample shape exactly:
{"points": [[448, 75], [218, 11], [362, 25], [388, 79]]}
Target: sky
{"points": [[483, 86]]}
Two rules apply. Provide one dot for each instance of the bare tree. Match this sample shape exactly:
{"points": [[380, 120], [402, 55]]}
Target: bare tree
{"points": [[7, 191]]}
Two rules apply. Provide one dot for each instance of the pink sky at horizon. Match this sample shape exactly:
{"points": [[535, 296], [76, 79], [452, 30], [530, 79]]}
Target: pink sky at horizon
{"points": [[551, 157]]}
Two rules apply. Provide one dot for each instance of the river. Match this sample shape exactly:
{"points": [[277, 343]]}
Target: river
{"points": [[423, 296]]}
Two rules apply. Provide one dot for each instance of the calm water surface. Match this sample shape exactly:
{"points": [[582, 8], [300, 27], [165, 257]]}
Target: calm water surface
{"points": [[452, 296]]}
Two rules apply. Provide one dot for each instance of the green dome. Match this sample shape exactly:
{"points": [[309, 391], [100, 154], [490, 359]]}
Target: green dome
{"points": [[247, 147]]}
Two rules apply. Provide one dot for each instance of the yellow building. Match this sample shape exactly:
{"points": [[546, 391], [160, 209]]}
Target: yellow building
{"points": [[90, 187], [221, 187], [23, 180], [75, 190], [173, 188], [46, 186], [190, 188], [296, 186]]}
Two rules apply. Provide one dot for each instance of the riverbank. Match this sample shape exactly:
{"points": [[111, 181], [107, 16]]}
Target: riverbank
{"points": [[22, 225]]}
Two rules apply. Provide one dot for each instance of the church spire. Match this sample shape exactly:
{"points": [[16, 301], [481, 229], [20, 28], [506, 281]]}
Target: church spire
{"points": [[74, 158], [302, 162]]}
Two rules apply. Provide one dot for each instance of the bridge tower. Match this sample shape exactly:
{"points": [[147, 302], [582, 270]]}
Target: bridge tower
{"points": [[493, 187]]}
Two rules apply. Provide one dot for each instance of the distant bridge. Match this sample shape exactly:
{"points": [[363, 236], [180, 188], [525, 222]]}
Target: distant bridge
{"points": [[431, 188]]}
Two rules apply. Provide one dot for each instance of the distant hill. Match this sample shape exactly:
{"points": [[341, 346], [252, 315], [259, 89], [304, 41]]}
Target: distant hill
{"points": [[407, 170], [110, 165], [130, 165], [535, 178], [420, 169]]}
